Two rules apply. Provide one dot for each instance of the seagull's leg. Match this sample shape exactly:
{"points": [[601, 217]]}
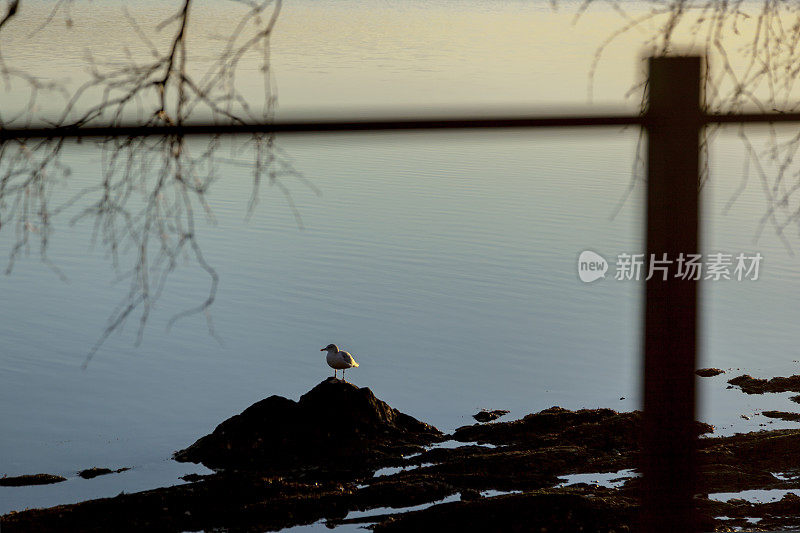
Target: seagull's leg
{"points": [[334, 374], [343, 379]]}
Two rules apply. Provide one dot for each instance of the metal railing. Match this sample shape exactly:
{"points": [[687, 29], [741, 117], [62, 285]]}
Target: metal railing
{"points": [[673, 121]]}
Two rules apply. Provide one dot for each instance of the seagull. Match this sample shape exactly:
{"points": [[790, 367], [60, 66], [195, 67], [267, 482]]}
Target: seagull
{"points": [[338, 359]]}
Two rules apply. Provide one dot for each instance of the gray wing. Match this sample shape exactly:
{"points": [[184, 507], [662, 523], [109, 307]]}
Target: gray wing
{"points": [[347, 358]]}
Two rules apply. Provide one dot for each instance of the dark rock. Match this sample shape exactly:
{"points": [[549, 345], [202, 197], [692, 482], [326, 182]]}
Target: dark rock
{"points": [[335, 427], [278, 464], [751, 385], [90, 473], [770, 451], [537, 450], [459, 453], [487, 416], [782, 415], [505, 468], [405, 490], [596, 428], [549, 511], [240, 503], [534, 427], [774, 516], [191, 478], [708, 372], [716, 477], [469, 495], [30, 479]]}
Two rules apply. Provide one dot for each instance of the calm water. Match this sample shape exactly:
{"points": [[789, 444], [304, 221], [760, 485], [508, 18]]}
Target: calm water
{"points": [[446, 263]]}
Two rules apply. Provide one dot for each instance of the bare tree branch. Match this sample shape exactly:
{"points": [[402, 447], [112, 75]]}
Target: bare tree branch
{"points": [[753, 62], [143, 210]]}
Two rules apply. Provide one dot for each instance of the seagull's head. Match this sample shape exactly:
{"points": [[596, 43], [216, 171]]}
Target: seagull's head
{"points": [[330, 348]]}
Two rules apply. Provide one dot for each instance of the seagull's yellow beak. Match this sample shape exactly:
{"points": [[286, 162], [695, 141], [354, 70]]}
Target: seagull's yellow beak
{"points": [[322, 349]]}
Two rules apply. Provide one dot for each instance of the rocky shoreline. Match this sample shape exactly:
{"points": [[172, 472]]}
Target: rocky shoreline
{"points": [[340, 450]]}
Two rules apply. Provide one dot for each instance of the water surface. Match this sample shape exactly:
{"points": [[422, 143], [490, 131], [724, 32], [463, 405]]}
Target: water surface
{"points": [[446, 263]]}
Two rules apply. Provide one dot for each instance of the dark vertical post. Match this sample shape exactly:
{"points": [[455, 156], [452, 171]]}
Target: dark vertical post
{"points": [[673, 122]]}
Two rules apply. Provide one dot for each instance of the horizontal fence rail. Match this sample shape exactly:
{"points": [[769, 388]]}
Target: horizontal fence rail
{"points": [[384, 124], [332, 126]]}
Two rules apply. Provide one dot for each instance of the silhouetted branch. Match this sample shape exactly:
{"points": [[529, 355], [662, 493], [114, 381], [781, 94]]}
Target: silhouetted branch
{"points": [[753, 58], [10, 12], [143, 209]]}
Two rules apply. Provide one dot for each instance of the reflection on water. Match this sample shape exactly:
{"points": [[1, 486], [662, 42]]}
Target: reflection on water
{"points": [[446, 262]]}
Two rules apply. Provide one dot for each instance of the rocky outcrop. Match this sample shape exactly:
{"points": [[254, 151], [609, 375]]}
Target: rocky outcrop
{"points": [[709, 372], [485, 415], [751, 385], [91, 473], [336, 428], [782, 415], [30, 479], [551, 511], [559, 425], [283, 463]]}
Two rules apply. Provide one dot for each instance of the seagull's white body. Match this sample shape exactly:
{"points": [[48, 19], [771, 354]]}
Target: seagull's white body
{"points": [[338, 359]]}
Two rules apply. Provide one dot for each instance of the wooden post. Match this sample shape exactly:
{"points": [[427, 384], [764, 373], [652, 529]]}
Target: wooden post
{"points": [[673, 121]]}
